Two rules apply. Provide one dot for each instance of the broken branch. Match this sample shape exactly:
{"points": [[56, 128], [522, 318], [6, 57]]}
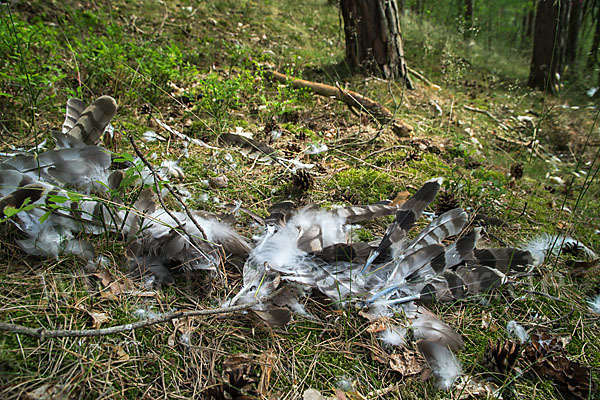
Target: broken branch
{"points": [[350, 98], [43, 333]]}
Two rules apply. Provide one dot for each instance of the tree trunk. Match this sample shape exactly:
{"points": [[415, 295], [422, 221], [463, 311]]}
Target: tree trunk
{"points": [[593, 57], [575, 17], [528, 19], [373, 39], [468, 28], [418, 7], [549, 45]]}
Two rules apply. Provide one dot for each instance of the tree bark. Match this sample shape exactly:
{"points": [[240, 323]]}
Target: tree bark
{"points": [[593, 57], [373, 39], [549, 45], [528, 19], [575, 17], [468, 28]]}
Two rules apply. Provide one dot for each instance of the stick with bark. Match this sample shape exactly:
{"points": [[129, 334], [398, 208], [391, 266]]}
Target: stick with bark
{"points": [[350, 98], [43, 333]]}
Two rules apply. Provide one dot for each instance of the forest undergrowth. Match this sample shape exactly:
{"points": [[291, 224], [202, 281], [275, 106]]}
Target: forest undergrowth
{"points": [[526, 163]]}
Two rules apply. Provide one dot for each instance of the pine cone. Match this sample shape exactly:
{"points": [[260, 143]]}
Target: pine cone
{"points": [[500, 358], [145, 109], [302, 181], [238, 379], [446, 202], [547, 358], [516, 171]]}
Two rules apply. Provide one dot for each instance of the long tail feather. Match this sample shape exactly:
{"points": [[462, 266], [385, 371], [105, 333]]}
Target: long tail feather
{"points": [[406, 216]]}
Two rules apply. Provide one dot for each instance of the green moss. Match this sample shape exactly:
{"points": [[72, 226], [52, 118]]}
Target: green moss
{"points": [[366, 185]]}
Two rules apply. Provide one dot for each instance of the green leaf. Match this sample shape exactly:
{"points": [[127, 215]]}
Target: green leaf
{"points": [[10, 211], [44, 217]]}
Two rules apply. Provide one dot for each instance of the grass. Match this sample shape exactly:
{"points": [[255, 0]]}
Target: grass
{"points": [[199, 67]]}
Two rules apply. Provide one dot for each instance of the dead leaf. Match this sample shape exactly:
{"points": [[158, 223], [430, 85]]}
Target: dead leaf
{"points": [[378, 325], [400, 198], [312, 394], [98, 318], [267, 362], [48, 391], [407, 363], [470, 388], [118, 352], [340, 395], [115, 287], [220, 182], [183, 328], [104, 276], [370, 316]]}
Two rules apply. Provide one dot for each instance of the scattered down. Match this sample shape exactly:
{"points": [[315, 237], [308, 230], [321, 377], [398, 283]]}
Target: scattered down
{"points": [[66, 189], [312, 248], [64, 192]]}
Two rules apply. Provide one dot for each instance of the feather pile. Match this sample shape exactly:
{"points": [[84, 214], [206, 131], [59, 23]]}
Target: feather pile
{"points": [[63, 192], [313, 248]]}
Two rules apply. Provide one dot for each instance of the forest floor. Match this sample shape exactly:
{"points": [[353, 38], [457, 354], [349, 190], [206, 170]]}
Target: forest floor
{"points": [[504, 151]]}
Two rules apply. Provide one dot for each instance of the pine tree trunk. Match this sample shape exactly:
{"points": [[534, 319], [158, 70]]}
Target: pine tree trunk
{"points": [[373, 39], [549, 45], [593, 57], [468, 28], [575, 17], [528, 19]]}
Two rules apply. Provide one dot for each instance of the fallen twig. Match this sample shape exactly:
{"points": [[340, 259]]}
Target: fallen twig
{"points": [[489, 114], [43, 333], [421, 77], [351, 99]]}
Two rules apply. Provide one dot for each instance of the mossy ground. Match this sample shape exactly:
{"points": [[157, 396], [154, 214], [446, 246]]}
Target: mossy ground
{"points": [[199, 66]]}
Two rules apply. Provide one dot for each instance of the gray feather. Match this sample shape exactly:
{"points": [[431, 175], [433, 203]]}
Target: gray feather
{"points": [[74, 110], [93, 120]]}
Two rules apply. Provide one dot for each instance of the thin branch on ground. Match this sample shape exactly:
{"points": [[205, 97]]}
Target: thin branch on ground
{"points": [[350, 98], [43, 333]]}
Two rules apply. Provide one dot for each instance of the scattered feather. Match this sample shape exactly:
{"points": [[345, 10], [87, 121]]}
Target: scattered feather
{"points": [[544, 244], [443, 363], [317, 148], [394, 336], [595, 304], [517, 331]]}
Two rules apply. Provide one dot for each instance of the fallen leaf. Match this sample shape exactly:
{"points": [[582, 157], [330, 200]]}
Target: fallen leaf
{"points": [[340, 395], [267, 362], [118, 352], [115, 287], [48, 391], [98, 318], [400, 198], [407, 363], [379, 325], [183, 329], [104, 276], [312, 394], [470, 388]]}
